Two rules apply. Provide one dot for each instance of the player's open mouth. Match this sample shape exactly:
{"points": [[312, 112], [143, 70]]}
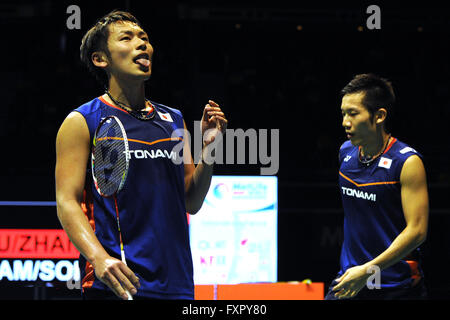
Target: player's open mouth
{"points": [[142, 60]]}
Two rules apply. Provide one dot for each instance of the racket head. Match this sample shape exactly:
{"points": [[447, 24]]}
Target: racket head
{"points": [[109, 157]]}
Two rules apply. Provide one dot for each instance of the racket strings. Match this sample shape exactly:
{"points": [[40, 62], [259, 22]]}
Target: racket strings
{"points": [[109, 158]]}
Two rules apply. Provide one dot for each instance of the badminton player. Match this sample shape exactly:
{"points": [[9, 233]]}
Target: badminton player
{"points": [[158, 191], [385, 200]]}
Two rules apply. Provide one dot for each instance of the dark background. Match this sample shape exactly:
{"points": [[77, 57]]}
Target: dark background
{"points": [[253, 60]]}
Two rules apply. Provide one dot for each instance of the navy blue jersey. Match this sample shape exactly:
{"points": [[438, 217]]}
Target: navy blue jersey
{"points": [[151, 205], [373, 213]]}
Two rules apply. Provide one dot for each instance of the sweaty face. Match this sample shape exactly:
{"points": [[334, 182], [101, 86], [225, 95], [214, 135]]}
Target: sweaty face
{"points": [[359, 126], [130, 51]]}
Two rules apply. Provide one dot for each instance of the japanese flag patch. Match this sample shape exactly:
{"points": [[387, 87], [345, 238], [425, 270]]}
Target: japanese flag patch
{"points": [[385, 162], [165, 116]]}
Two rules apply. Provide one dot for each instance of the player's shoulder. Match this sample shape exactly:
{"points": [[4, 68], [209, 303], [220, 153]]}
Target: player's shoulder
{"points": [[403, 150], [166, 109], [409, 161], [89, 107], [91, 113], [346, 146], [345, 150]]}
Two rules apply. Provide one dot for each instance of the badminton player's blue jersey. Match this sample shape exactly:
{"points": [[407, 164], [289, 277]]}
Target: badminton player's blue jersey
{"points": [[151, 205], [373, 214]]}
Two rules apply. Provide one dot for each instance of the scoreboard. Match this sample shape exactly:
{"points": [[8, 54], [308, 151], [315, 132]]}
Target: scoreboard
{"points": [[37, 259], [32, 254]]}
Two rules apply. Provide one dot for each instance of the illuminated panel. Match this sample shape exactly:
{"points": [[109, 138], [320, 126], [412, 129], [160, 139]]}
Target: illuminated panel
{"points": [[234, 236], [36, 244], [43, 270]]}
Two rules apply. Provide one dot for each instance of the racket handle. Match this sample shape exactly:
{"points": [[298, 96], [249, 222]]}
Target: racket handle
{"points": [[122, 254], [130, 297]]}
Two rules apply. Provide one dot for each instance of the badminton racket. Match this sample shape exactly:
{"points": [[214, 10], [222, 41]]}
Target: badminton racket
{"points": [[110, 163]]}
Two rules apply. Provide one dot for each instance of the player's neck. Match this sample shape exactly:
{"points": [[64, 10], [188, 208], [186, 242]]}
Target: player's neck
{"points": [[377, 145], [128, 94]]}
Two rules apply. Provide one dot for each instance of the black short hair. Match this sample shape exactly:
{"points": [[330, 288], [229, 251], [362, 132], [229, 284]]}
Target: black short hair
{"points": [[96, 39], [379, 93]]}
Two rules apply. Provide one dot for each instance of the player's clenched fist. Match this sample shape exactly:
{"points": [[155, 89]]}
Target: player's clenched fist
{"points": [[214, 122]]}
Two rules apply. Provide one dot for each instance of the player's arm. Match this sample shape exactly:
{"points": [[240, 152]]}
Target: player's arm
{"points": [[72, 154], [198, 178], [414, 196]]}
